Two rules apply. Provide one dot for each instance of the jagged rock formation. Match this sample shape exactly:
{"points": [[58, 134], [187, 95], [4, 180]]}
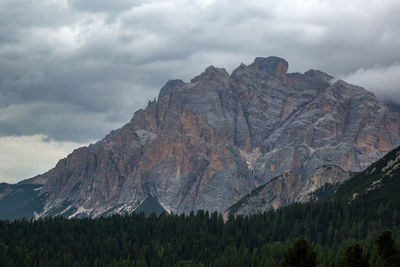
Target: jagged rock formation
{"points": [[286, 189], [207, 143]]}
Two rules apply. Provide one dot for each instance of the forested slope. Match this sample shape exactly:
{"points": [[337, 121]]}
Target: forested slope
{"points": [[204, 239]]}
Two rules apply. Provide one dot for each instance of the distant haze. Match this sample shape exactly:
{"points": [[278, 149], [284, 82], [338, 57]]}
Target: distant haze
{"points": [[72, 70]]}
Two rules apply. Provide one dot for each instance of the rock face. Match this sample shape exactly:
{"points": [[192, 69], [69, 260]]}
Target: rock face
{"points": [[286, 189], [379, 183], [207, 143], [328, 174]]}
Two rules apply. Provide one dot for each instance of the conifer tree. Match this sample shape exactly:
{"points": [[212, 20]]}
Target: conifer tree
{"points": [[387, 249], [300, 255], [354, 257]]}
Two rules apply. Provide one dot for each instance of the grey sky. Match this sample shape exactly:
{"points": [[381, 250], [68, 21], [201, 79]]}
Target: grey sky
{"points": [[72, 70]]}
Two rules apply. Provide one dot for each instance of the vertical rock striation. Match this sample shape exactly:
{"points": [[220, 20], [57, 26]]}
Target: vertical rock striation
{"points": [[207, 143]]}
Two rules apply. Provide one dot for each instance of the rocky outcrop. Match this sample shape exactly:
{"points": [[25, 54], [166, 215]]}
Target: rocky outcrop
{"points": [[328, 174], [379, 183], [286, 189], [207, 143]]}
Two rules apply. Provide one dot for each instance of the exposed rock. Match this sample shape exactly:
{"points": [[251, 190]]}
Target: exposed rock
{"points": [[273, 66], [328, 174], [207, 143], [378, 184], [286, 189]]}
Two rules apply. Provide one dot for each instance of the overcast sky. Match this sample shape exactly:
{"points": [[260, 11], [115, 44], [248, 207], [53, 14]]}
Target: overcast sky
{"points": [[72, 70]]}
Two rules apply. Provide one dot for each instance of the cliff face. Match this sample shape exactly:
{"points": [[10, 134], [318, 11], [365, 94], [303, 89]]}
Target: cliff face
{"points": [[379, 183], [286, 189], [207, 143]]}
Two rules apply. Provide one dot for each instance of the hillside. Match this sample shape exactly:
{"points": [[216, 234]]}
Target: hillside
{"points": [[19, 200], [288, 188], [379, 184], [362, 208]]}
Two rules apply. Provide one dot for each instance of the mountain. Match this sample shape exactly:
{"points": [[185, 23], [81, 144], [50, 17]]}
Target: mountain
{"points": [[393, 106], [376, 185], [20, 200], [380, 182], [207, 143], [150, 205], [288, 188]]}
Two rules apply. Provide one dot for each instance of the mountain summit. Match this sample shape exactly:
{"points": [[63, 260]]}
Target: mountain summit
{"points": [[207, 143]]}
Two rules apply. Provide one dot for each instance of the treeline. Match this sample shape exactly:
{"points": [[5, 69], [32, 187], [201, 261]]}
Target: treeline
{"points": [[200, 239]]}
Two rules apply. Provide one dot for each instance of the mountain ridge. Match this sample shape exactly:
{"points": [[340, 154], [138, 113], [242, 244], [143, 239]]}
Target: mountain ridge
{"points": [[374, 186], [286, 189], [207, 143]]}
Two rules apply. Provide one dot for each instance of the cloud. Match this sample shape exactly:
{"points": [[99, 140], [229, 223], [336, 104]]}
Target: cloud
{"points": [[24, 155], [381, 80], [106, 6], [73, 70]]}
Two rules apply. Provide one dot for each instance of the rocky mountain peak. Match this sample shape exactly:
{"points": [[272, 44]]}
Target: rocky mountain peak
{"points": [[266, 67], [212, 73], [207, 143], [274, 66], [318, 75], [171, 84]]}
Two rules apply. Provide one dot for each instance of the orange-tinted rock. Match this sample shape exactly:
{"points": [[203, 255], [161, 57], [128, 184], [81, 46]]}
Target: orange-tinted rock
{"points": [[207, 143]]}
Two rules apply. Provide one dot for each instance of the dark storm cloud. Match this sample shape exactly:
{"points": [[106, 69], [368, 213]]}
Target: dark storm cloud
{"points": [[74, 70]]}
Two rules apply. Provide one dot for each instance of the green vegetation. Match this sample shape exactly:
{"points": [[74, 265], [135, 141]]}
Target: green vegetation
{"points": [[342, 231], [387, 249], [378, 183], [300, 255], [355, 257], [201, 239]]}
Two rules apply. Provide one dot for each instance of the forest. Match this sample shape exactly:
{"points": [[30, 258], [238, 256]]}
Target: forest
{"points": [[332, 233]]}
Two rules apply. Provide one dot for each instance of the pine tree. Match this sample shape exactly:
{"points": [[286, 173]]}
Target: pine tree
{"points": [[387, 249], [354, 257], [300, 255], [385, 244]]}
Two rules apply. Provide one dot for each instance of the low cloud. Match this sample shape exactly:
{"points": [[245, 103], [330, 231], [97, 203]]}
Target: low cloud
{"points": [[383, 81], [72, 70]]}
